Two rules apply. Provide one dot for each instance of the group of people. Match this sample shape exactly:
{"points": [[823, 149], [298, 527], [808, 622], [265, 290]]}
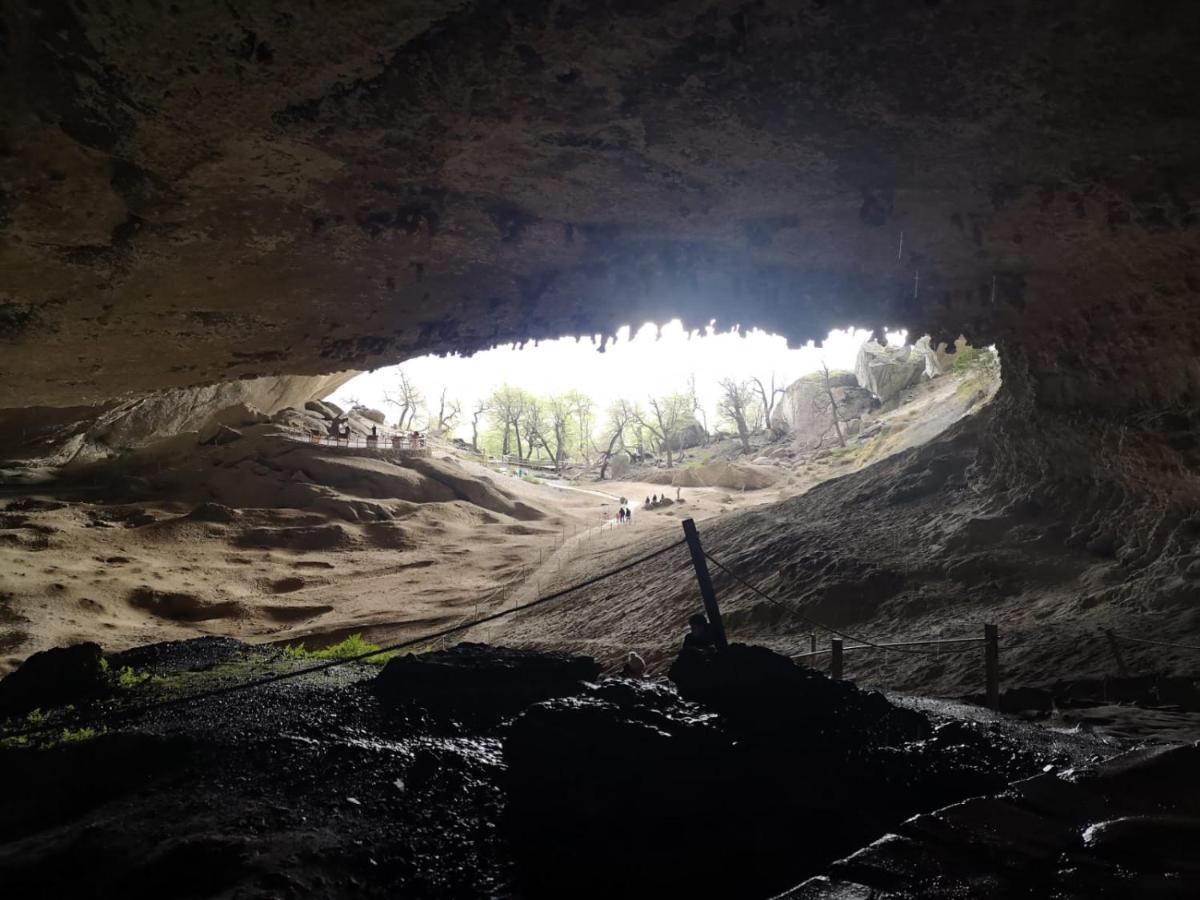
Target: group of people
{"points": [[624, 515], [415, 440]]}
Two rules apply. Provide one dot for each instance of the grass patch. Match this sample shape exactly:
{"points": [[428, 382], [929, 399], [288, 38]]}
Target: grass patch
{"points": [[78, 735], [970, 359], [532, 479], [348, 649], [131, 678], [47, 739]]}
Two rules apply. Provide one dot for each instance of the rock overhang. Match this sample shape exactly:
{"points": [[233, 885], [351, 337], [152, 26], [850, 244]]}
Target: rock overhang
{"points": [[197, 194]]}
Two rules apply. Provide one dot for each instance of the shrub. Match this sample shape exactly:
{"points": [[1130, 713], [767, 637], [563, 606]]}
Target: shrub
{"points": [[76, 735], [348, 649], [129, 678], [969, 358]]}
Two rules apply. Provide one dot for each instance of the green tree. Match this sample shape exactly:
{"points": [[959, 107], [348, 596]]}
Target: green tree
{"points": [[668, 416]]}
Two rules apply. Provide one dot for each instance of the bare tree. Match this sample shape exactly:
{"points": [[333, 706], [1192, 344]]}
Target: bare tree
{"points": [[768, 397], [670, 414], [825, 403], [482, 408], [697, 410], [448, 411], [735, 404], [620, 416], [407, 398]]}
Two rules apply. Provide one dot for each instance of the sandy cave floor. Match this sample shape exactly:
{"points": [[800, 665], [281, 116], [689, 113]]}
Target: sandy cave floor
{"points": [[84, 572]]}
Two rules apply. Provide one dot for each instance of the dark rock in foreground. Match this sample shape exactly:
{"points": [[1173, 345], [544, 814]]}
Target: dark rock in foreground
{"points": [[1127, 828], [627, 790], [478, 680], [53, 678], [762, 692], [421, 784]]}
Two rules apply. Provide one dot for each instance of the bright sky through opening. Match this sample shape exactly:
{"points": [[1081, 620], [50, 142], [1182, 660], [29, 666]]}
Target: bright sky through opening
{"points": [[648, 363]]}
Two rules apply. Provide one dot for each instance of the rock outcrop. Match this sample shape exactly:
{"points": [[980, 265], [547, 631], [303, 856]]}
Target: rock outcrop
{"points": [[886, 371], [52, 678], [627, 789], [90, 432], [804, 411], [692, 435], [481, 681]]}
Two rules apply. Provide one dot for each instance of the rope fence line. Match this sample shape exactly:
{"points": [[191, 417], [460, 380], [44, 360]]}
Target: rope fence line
{"points": [[990, 639], [891, 645], [1126, 637], [110, 716], [898, 647]]}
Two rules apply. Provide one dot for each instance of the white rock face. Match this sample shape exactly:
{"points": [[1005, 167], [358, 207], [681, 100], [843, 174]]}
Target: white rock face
{"points": [[804, 412], [58, 436], [886, 371]]}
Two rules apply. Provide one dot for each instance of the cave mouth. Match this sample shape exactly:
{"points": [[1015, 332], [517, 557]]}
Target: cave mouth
{"points": [[731, 381]]}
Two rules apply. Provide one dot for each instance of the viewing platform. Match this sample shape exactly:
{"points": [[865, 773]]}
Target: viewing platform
{"points": [[386, 446]]}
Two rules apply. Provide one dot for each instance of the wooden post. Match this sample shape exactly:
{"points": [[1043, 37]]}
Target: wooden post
{"points": [[991, 665], [1122, 669], [706, 585], [812, 643], [835, 659]]}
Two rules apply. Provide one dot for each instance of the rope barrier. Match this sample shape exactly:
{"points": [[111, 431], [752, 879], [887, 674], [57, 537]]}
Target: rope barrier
{"points": [[891, 644], [1126, 637], [117, 715], [894, 648]]}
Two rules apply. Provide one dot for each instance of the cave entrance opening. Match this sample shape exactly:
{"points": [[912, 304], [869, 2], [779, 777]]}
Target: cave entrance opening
{"points": [[661, 397]]}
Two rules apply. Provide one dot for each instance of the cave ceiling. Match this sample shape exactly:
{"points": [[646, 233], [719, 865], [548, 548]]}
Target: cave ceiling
{"points": [[194, 192]]}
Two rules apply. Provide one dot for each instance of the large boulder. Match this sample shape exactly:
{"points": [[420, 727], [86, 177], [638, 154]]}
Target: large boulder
{"points": [[53, 678], [373, 415], [618, 466], [321, 409], [480, 681], [804, 411], [689, 436], [886, 371]]}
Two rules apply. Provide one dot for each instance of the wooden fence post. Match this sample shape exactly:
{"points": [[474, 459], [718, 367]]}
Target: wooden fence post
{"points": [[991, 665], [706, 586], [835, 659], [812, 643]]}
